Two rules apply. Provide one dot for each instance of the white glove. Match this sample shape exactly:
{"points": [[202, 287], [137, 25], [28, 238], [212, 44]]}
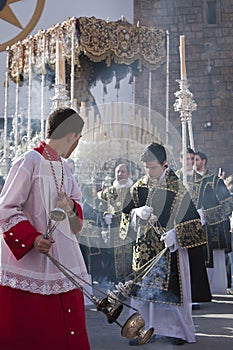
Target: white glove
{"points": [[202, 216], [170, 240], [108, 218], [144, 212]]}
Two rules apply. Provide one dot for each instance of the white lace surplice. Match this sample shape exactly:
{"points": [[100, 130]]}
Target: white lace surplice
{"points": [[30, 194]]}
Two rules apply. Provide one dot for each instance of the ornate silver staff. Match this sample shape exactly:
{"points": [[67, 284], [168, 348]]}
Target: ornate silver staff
{"points": [[29, 128], [43, 73], [106, 235], [3, 160], [72, 74], [60, 99], [184, 104], [15, 120]]}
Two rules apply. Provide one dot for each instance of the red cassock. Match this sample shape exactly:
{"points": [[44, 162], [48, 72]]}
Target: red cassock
{"points": [[52, 322]]}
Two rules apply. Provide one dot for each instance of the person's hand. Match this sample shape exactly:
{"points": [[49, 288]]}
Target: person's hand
{"points": [[108, 218], [43, 245], [64, 202], [170, 240], [144, 212]]}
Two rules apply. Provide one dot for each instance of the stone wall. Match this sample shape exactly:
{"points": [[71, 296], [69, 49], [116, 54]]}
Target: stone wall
{"points": [[209, 64]]}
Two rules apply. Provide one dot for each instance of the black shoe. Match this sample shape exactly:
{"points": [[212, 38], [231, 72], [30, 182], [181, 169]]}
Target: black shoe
{"points": [[196, 306], [175, 341]]}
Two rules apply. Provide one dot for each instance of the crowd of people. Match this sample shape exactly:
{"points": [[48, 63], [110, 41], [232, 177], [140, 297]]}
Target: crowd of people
{"points": [[180, 231], [211, 195]]}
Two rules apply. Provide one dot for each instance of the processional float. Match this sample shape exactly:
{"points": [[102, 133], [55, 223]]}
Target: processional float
{"points": [[71, 57]]}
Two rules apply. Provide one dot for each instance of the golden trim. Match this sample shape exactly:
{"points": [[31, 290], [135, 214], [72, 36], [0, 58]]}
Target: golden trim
{"points": [[215, 215], [95, 39]]}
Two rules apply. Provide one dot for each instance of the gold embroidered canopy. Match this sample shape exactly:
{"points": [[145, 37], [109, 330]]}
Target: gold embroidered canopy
{"points": [[101, 49]]}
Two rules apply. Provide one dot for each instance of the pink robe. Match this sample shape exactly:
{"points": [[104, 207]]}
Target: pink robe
{"points": [[40, 307]]}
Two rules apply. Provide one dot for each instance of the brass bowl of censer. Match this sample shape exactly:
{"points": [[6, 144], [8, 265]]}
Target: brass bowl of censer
{"points": [[134, 329], [110, 307]]}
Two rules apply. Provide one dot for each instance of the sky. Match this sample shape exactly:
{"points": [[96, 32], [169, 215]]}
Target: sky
{"points": [[56, 12]]}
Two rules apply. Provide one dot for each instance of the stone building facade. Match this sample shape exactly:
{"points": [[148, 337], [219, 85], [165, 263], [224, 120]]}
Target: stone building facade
{"points": [[207, 26]]}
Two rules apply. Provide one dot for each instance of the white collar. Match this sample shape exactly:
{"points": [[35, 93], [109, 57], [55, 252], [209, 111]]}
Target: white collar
{"points": [[117, 185]]}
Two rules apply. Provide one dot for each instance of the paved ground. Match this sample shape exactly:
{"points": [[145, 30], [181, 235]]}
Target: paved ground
{"points": [[213, 322]]}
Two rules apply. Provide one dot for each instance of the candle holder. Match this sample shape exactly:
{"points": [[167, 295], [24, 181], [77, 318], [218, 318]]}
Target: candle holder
{"points": [[185, 105], [184, 99], [60, 99]]}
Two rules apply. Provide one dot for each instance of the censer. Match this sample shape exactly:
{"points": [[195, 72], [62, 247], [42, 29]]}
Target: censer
{"points": [[134, 329], [56, 215], [110, 305]]}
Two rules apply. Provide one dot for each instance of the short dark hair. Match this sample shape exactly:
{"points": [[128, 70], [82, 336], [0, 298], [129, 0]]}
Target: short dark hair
{"points": [[62, 121], [188, 150], [202, 155], [155, 151]]}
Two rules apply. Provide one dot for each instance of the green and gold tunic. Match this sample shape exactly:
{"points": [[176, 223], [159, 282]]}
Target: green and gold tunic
{"points": [[172, 205]]}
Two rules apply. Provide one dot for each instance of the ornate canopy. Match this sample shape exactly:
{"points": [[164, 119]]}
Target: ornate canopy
{"points": [[88, 50], [102, 49]]}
